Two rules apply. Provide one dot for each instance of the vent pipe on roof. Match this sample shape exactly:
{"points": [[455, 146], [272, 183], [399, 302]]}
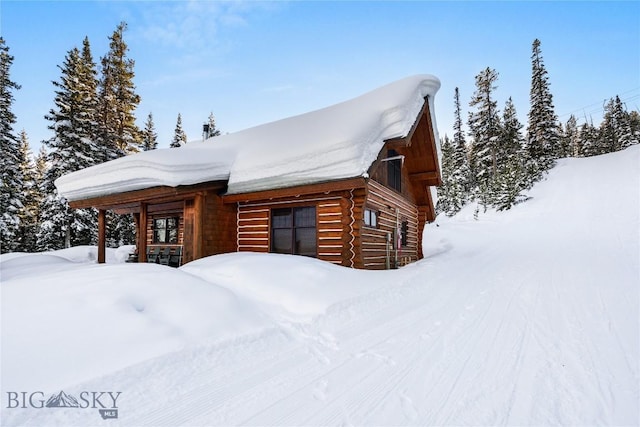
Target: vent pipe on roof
{"points": [[205, 131]]}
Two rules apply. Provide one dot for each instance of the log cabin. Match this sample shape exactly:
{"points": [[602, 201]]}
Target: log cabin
{"points": [[351, 184]]}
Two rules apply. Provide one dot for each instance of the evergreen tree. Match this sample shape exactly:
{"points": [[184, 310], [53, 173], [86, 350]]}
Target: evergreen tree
{"points": [[211, 127], [461, 160], [608, 141], [86, 98], [511, 141], [118, 132], [484, 129], [511, 178], [626, 134], [70, 149], [121, 230], [31, 198], [589, 140], [10, 176], [455, 190], [616, 131], [571, 138], [179, 137], [446, 191], [542, 131], [634, 122], [149, 135]]}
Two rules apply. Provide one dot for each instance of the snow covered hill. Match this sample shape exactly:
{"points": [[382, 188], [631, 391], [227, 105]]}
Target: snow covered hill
{"points": [[524, 317]]}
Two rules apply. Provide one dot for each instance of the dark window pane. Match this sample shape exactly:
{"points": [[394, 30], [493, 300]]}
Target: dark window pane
{"points": [[394, 171], [159, 235], [404, 232], [293, 231], [172, 222], [306, 241], [173, 235], [281, 242], [281, 218], [305, 217]]}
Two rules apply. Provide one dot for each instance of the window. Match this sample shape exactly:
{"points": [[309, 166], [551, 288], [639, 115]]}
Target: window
{"points": [[370, 218], [293, 231], [394, 171], [165, 230], [404, 231]]}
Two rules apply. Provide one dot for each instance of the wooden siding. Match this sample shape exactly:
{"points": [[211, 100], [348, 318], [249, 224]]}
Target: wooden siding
{"points": [[219, 225], [332, 225], [392, 209], [253, 228], [379, 173], [189, 246]]}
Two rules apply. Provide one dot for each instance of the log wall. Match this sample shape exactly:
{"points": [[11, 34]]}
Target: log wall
{"points": [[218, 226], [334, 243], [392, 209]]}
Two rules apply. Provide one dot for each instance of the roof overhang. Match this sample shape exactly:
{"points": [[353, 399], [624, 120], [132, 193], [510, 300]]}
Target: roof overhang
{"points": [[323, 187], [131, 199]]}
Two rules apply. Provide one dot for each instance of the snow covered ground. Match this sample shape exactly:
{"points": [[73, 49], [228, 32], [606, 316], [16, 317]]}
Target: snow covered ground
{"points": [[524, 317]]}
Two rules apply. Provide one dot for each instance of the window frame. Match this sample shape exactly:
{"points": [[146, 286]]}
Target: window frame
{"points": [[293, 228], [372, 213], [166, 230]]}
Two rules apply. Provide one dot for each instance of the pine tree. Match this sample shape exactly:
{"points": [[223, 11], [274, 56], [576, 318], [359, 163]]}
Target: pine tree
{"points": [[31, 198], [589, 138], [149, 135], [571, 137], [118, 132], [179, 137], [542, 131], [634, 121], [121, 230], [511, 178], [616, 131], [10, 176], [484, 129], [511, 141], [455, 190], [608, 142], [446, 191], [461, 160], [626, 135], [211, 129], [70, 149]]}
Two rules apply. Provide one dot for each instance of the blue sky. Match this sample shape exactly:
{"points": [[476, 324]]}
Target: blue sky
{"points": [[253, 62]]}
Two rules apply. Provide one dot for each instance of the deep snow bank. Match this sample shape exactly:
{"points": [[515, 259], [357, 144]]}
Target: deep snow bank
{"points": [[284, 285], [65, 321]]}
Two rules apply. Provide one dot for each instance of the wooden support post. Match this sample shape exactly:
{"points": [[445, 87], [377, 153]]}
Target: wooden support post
{"points": [[198, 213], [142, 234], [102, 235]]}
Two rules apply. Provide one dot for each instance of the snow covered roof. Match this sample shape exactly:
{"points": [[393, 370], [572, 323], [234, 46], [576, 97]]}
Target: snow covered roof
{"points": [[337, 142]]}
